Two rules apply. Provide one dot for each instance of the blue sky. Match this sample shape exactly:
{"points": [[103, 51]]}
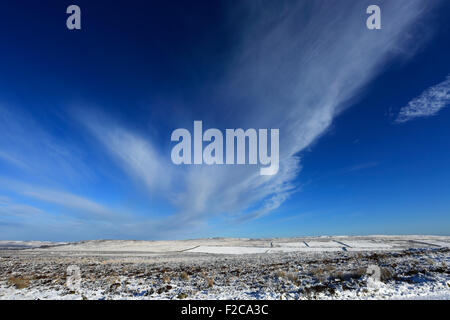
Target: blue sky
{"points": [[86, 118]]}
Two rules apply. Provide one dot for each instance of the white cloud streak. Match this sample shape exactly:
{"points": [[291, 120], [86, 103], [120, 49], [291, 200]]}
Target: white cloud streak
{"points": [[82, 205], [297, 67], [135, 154], [428, 103], [26, 145], [18, 210]]}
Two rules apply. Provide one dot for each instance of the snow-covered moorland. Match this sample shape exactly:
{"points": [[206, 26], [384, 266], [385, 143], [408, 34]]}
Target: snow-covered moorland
{"points": [[375, 267]]}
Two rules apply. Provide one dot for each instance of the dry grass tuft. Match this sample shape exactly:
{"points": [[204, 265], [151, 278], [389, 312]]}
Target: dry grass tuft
{"points": [[387, 274], [210, 282], [352, 274], [319, 274], [184, 276], [293, 277], [19, 283], [182, 295]]}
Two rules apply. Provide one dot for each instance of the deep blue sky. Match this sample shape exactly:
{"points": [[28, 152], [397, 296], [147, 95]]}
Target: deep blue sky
{"points": [[86, 118]]}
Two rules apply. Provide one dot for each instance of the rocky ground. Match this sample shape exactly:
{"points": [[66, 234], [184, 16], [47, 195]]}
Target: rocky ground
{"points": [[370, 268]]}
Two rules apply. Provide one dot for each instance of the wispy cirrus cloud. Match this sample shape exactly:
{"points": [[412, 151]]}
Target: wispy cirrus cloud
{"points": [[295, 68], [28, 146], [75, 215], [69, 201], [134, 153], [428, 103], [19, 210]]}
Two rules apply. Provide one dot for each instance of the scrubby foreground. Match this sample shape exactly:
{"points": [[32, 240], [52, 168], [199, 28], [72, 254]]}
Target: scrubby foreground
{"points": [[392, 268]]}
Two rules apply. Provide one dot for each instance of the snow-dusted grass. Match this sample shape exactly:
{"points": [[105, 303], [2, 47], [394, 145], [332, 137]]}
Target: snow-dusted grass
{"points": [[228, 250], [366, 244], [324, 244], [329, 268]]}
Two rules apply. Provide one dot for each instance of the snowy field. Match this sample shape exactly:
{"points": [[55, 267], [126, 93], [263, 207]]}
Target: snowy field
{"points": [[375, 267]]}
